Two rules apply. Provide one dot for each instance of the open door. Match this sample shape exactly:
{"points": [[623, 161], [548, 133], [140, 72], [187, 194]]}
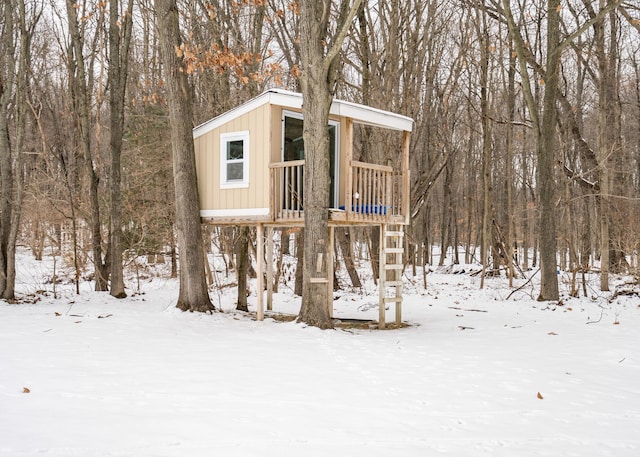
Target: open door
{"points": [[293, 149]]}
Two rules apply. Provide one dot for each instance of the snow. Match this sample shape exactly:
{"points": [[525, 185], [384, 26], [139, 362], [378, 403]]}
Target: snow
{"points": [[137, 377]]}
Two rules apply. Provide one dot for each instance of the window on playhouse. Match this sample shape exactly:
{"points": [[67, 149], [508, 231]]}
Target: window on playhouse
{"points": [[234, 160]]}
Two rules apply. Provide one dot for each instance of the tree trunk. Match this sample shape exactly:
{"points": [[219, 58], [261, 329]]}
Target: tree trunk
{"points": [[609, 144], [546, 148], [118, 65], [13, 91], [316, 196], [319, 74], [7, 69], [344, 240], [174, 259], [486, 143], [242, 267], [299, 241], [78, 76], [511, 111], [447, 215], [193, 295], [545, 140]]}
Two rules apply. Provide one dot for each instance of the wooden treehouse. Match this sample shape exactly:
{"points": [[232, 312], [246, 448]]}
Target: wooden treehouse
{"points": [[250, 168]]}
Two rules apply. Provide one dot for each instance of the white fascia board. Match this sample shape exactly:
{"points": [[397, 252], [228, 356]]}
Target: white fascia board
{"points": [[236, 212], [286, 99], [371, 116]]}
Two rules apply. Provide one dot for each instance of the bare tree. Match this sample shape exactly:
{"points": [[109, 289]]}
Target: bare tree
{"points": [[545, 139], [81, 80], [120, 25], [320, 56], [16, 32], [193, 294]]}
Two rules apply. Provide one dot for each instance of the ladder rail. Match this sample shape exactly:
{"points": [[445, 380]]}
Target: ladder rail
{"points": [[391, 267]]}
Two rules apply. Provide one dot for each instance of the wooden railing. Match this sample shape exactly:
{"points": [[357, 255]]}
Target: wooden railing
{"points": [[287, 185], [374, 193]]}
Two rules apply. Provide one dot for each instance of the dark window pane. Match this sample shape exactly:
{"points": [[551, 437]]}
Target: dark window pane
{"points": [[235, 171], [235, 150]]}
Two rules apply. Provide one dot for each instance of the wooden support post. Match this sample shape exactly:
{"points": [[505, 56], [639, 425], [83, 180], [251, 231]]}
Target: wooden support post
{"points": [[406, 177], [269, 268], [348, 201], [259, 262], [330, 266], [382, 271]]}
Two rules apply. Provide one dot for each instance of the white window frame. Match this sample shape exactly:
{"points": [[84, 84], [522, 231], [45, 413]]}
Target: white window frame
{"points": [[226, 138]]}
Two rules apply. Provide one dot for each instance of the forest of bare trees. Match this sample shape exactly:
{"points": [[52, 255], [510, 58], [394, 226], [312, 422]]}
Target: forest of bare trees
{"points": [[525, 152]]}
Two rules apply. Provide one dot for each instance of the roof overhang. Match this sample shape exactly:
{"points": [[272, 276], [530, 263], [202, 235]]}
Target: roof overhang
{"points": [[360, 114]]}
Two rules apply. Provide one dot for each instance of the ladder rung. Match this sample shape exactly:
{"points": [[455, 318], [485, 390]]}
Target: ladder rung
{"points": [[393, 283], [393, 250], [394, 266], [394, 233], [392, 299]]}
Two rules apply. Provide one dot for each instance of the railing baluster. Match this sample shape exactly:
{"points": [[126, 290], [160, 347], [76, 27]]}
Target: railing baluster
{"points": [[298, 194]]}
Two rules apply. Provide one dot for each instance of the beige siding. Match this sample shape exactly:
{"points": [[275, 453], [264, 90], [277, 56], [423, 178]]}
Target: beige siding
{"points": [[207, 147], [276, 134], [265, 136]]}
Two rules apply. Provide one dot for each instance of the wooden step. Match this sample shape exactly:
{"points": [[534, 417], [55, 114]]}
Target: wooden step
{"points": [[394, 233], [394, 266], [393, 283], [393, 250], [392, 299]]}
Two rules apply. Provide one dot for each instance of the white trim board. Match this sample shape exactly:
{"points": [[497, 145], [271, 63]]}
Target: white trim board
{"points": [[234, 212]]}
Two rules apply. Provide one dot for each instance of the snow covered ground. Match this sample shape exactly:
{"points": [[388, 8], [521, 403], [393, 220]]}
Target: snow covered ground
{"points": [[473, 375]]}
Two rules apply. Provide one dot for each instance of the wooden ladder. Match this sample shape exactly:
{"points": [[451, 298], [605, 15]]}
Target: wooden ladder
{"points": [[391, 266]]}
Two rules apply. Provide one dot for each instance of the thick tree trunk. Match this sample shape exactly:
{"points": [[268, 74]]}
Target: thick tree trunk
{"points": [[193, 295], [317, 100], [7, 67], [546, 161], [319, 72], [13, 91]]}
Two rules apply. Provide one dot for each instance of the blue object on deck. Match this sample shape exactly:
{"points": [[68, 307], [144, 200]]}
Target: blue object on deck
{"points": [[367, 209]]}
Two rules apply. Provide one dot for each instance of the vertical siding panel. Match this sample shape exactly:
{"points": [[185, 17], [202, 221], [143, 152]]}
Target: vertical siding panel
{"points": [[202, 165], [254, 159], [212, 170], [262, 148], [275, 127], [264, 128]]}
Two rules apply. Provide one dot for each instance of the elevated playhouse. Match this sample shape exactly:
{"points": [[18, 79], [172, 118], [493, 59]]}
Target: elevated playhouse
{"points": [[250, 168]]}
